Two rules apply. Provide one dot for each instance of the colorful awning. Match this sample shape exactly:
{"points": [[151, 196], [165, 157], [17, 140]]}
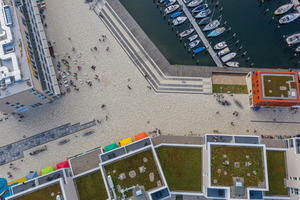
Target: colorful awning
{"points": [[125, 141], [64, 164], [140, 136], [47, 170], [111, 147], [31, 175]]}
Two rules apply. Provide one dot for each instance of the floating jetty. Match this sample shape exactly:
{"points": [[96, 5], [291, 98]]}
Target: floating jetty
{"points": [[201, 35]]}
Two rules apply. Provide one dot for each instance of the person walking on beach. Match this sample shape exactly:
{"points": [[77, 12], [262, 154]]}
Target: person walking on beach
{"points": [[107, 49]]}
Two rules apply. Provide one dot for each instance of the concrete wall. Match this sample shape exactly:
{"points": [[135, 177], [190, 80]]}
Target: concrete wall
{"points": [[293, 169]]}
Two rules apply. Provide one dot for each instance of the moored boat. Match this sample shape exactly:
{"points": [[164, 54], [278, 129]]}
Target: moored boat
{"points": [[233, 64], [289, 18], [171, 8], [186, 32], [223, 52], [194, 3], [174, 15], [216, 32], [203, 13], [228, 57], [170, 2], [198, 50], [283, 9], [194, 43], [204, 21], [212, 25], [293, 39], [179, 20], [200, 8], [187, 1], [193, 37], [220, 45]]}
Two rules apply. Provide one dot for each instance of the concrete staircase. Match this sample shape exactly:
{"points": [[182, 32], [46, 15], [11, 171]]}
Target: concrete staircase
{"points": [[156, 78]]}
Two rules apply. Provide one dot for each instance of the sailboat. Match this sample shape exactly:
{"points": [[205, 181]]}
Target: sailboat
{"points": [[223, 52], [194, 3], [205, 21], [212, 25], [193, 37], [293, 39], [220, 45], [233, 64], [200, 8], [179, 20], [203, 13], [228, 57], [186, 32], [194, 43], [216, 32], [171, 8]]}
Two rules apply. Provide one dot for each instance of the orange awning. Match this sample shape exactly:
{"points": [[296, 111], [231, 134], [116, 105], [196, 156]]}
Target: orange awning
{"points": [[140, 136]]}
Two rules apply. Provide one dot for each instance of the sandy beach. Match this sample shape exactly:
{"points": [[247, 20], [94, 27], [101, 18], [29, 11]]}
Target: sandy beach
{"points": [[127, 112]]}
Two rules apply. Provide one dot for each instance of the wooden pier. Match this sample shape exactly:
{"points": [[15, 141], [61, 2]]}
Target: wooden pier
{"points": [[200, 33]]}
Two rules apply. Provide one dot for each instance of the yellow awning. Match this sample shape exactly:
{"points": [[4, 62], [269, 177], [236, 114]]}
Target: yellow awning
{"points": [[21, 180], [125, 141]]}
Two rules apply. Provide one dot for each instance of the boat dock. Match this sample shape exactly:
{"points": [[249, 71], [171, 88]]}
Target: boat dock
{"points": [[200, 33]]}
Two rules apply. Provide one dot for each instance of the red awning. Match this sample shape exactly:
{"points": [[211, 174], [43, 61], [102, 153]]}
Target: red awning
{"points": [[64, 164], [140, 136]]}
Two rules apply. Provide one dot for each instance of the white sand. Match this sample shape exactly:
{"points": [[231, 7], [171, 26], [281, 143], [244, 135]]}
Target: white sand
{"points": [[128, 111]]}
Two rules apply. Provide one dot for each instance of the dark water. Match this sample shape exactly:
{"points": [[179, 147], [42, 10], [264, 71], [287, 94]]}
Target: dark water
{"points": [[254, 29]]}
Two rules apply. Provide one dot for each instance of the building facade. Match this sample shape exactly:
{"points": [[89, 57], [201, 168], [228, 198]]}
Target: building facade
{"points": [[28, 77]]}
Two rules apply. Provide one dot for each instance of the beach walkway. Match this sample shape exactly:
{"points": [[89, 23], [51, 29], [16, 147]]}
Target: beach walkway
{"points": [[201, 35]]}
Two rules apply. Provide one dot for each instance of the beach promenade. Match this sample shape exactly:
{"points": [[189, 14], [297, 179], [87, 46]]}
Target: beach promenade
{"points": [[127, 111]]}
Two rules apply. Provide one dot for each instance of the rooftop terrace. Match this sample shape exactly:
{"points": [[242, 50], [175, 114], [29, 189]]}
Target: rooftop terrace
{"points": [[233, 164], [279, 86], [138, 169]]}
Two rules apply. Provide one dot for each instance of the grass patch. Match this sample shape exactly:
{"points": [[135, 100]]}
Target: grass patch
{"points": [[234, 155], [181, 167], [275, 84], [133, 163], [235, 89], [91, 186], [276, 173], [43, 194]]}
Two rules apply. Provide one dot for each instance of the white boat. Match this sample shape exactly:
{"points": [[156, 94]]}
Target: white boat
{"points": [[200, 8], [293, 39], [212, 25], [220, 45], [223, 52], [186, 32], [289, 18], [298, 49], [186, 1], [203, 13], [170, 2], [193, 37], [194, 3], [179, 20], [171, 8], [228, 57], [283, 9], [233, 64], [194, 43]]}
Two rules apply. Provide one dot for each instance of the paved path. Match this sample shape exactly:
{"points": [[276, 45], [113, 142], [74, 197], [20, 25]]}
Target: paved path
{"points": [[201, 35], [16, 150]]}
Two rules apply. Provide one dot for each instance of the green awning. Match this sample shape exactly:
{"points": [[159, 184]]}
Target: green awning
{"points": [[47, 170], [111, 147]]}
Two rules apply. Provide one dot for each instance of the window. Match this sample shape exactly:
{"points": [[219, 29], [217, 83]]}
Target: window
{"points": [[296, 191], [291, 141], [294, 178]]}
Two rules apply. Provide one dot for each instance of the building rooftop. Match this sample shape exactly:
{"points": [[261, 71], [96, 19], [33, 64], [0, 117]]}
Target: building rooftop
{"points": [[279, 86], [238, 167], [139, 169], [15, 75]]}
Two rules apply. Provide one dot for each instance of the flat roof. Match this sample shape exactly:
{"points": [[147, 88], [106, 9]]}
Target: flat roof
{"points": [[279, 86], [15, 74]]}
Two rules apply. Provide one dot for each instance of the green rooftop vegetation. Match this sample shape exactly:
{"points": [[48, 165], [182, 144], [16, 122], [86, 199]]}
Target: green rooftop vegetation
{"points": [[273, 83], [229, 162], [181, 167], [91, 186], [47, 193], [235, 89], [138, 169], [276, 173]]}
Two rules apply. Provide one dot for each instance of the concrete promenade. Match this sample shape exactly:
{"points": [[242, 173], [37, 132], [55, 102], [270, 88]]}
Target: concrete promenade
{"points": [[296, 3], [201, 35]]}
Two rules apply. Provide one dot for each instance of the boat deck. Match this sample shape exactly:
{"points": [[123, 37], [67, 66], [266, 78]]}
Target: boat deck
{"points": [[296, 2], [200, 33]]}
